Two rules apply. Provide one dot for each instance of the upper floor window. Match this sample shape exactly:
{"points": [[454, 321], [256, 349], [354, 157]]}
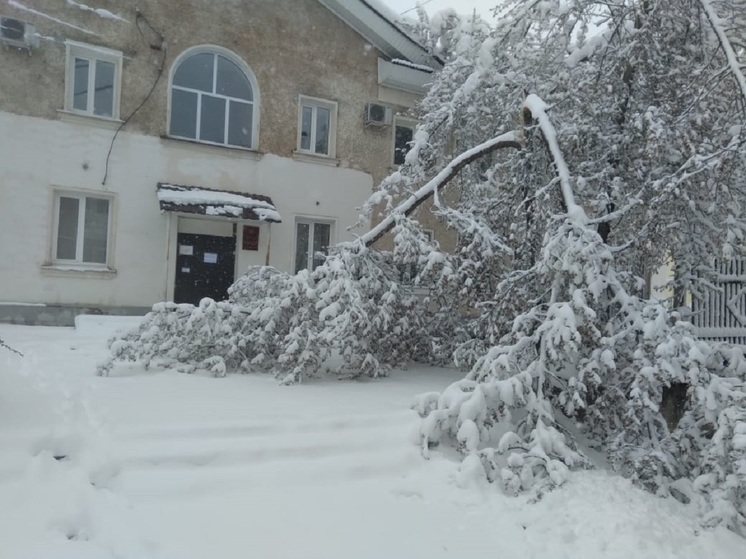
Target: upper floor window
{"points": [[403, 136], [214, 99], [93, 79], [317, 122]]}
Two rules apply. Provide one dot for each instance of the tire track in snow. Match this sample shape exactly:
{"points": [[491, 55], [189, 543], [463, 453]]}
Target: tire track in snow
{"points": [[221, 456], [268, 428]]}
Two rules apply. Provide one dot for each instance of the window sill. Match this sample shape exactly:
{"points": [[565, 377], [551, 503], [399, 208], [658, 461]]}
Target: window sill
{"points": [[213, 149], [89, 120], [313, 158], [78, 271]]}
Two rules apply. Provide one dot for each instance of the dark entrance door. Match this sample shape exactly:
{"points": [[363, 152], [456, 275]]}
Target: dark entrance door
{"points": [[204, 267]]}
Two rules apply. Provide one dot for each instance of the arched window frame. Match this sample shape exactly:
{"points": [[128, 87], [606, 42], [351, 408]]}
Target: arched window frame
{"points": [[233, 57]]}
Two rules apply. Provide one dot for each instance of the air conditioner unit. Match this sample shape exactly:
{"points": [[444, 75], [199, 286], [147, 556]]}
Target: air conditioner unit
{"points": [[18, 33], [378, 114]]}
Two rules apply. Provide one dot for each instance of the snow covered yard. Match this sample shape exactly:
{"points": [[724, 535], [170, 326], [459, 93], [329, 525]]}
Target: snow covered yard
{"points": [[165, 465]]}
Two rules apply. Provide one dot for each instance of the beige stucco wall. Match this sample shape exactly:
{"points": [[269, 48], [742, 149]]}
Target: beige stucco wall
{"points": [[294, 47]]}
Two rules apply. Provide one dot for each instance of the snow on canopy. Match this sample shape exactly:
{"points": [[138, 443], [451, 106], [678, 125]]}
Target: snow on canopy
{"points": [[206, 201]]}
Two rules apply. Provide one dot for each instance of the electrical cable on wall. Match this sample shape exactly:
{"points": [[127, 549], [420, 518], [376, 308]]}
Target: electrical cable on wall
{"points": [[160, 45]]}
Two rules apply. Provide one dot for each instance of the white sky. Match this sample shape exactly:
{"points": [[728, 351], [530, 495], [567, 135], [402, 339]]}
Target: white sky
{"points": [[483, 7]]}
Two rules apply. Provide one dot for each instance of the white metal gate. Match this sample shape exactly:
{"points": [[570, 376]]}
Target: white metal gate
{"points": [[720, 313]]}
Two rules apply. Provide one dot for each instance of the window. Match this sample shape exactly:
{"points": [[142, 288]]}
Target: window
{"points": [[93, 78], [213, 99], [317, 122], [403, 136], [81, 233], [312, 240]]}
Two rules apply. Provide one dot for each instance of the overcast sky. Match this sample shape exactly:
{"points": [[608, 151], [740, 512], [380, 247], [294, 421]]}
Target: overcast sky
{"points": [[483, 7]]}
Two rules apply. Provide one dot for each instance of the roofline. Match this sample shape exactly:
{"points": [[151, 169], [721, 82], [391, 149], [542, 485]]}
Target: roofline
{"points": [[371, 22], [402, 33]]}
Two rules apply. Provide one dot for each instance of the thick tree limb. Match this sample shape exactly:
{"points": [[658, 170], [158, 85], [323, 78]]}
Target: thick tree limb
{"points": [[508, 140], [538, 110]]}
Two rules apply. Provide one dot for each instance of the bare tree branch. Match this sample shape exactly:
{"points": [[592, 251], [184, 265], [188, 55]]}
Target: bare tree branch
{"points": [[6, 346]]}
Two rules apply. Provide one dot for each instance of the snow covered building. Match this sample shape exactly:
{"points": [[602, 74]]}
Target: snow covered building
{"points": [[154, 150]]}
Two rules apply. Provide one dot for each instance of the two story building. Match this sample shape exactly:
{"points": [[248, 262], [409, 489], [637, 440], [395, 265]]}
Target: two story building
{"points": [[154, 150]]}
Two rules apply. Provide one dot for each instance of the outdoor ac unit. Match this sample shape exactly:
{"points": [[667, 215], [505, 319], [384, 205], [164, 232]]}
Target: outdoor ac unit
{"points": [[378, 114], [18, 33]]}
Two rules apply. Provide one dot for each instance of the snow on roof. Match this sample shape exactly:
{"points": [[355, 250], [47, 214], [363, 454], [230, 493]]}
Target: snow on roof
{"points": [[223, 203], [383, 28], [100, 12], [385, 11], [17, 5], [412, 65]]}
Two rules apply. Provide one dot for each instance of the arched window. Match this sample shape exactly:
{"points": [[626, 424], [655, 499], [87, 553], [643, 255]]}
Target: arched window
{"points": [[214, 98]]}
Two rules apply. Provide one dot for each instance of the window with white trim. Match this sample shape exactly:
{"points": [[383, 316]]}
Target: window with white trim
{"points": [[403, 136], [312, 239], [92, 80], [317, 123], [213, 100], [81, 229]]}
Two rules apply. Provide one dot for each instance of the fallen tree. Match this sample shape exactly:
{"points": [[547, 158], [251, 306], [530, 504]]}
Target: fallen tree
{"points": [[628, 151]]}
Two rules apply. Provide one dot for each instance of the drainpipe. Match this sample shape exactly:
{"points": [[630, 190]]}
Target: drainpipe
{"points": [[269, 242]]}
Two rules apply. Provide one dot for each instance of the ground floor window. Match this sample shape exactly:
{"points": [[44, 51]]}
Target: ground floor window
{"points": [[81, 232], [312, 240]]}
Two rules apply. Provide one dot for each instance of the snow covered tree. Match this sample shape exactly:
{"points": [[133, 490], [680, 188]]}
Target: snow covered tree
{"points": [[631, 150]]}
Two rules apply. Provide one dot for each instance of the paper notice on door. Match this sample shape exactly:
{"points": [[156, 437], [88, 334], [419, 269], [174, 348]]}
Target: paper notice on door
{"points": [[186, 250], [186, 270], [211, 258]]}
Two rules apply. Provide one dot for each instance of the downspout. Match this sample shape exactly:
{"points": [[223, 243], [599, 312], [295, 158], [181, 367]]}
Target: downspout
{"points": [[269, 242]]}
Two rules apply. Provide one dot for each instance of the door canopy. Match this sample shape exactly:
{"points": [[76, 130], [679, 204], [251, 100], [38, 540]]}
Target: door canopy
{"points": [[219, 203]]}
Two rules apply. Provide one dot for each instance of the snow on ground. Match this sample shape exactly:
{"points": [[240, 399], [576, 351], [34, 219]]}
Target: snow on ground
{"points": [[164, 465]]}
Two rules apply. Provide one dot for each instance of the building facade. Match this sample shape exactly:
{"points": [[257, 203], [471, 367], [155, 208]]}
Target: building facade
{"points": [[154, 150]]}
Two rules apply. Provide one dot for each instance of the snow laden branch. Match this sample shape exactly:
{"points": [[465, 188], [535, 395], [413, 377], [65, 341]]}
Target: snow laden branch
{"points": [[538, 109], [730, 54], [348, 316], [507, 140]]}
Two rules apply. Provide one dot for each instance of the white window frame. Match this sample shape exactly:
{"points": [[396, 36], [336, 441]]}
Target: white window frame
{"points": [[81, 197], [216, 50], [92, 54], [401, 122], [314, 103], [312, 221]]}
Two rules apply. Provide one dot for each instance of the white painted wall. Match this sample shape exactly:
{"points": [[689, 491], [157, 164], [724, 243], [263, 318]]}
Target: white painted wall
{"points": [[143, 239]]}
